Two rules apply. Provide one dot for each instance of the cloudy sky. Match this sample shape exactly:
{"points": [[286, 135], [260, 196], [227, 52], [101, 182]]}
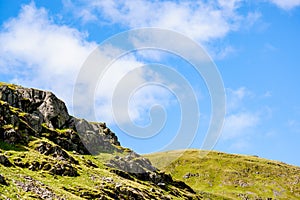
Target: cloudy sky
{"points": [[254, 45]]}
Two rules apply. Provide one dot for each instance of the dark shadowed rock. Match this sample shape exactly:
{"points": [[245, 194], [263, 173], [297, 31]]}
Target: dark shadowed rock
{"points": [[55, 151], [40, 113], [4, 161], [2, 180]]}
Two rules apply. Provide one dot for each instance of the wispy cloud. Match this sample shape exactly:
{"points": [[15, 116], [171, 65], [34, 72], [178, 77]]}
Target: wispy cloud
{"points": [[241, 122], [286, 4], [37, 52], [203, 21]]}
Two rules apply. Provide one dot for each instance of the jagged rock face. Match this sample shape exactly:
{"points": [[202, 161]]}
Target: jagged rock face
{"points": [[42, 104], [39, 135], [37, 107]]}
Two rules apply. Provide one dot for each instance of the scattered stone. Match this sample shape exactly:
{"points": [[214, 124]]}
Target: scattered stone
{"points": [[4, 161], [11, 136], [91, 164], [108, 179], [189, 175], [55, 151], [64, 169], [2, 180], [162, 185], [31, 185]]}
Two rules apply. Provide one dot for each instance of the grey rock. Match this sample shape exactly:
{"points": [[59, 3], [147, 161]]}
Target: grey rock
{"points": [[4, 161], [2, 180], [38, 107], [34, 186], [55, 151]]}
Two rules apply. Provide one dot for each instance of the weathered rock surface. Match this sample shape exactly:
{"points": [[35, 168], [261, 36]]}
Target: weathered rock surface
{"points": [[2, 180], [55, 151], [37, 112], [133, 165], [38, 188], [4, 161]]}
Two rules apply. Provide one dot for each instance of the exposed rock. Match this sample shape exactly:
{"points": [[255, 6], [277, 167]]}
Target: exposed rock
{"points": [[55, 151], [31, 185], [41, 113], [68, 139], [189, 175], [122, 174], [40, 103], [89, 163], [162, 185], [64, 169], [36, 119], [94, 138], [11, 136], [4, 161], [2, 180], [132, 163]]}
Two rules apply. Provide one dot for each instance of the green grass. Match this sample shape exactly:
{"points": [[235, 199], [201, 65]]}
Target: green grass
{"points": [[231, 176], [11, 147], [90, 183]]}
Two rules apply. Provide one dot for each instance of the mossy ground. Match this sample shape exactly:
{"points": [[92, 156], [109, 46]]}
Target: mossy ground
{"points": [[231, 176], [92, 182]]}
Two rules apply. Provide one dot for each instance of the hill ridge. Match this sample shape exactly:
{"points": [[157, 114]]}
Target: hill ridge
{"points": [[41, 143], [231, 176]]}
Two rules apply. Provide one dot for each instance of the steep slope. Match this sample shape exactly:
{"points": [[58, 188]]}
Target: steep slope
{"points": [[226, 176], [47, 154]]}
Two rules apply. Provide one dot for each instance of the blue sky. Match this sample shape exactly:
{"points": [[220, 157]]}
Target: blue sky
{"points": [[253, 44]]}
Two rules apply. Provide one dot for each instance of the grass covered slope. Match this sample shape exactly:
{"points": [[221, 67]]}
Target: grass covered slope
{"points": [[231, 176], [26, 177], [47, 154]]}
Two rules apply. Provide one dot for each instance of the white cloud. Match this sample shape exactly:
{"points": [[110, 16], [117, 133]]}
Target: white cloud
{"points": [[238, 125], [235, 98], [200, 20], [286, 4], [239, 121], [140, 100], [43, 54], [40, 53]]}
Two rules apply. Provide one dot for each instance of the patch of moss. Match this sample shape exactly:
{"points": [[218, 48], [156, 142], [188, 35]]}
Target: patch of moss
{"points": [[7, 126], [9, 85], [11, 147]]}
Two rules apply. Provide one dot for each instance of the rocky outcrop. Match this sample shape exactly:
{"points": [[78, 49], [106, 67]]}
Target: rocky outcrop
{"points": [[135, 166], [39, 135], [132, 163], [43, 105], [55, 151], [27, 111]]}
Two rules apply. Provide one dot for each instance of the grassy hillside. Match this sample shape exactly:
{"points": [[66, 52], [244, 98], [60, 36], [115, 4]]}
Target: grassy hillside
{"points": [[47, 154], [229, 176], [92, 180]]}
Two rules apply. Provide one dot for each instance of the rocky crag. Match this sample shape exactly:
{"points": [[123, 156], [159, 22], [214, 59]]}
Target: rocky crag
{"points": [[47, 154]]}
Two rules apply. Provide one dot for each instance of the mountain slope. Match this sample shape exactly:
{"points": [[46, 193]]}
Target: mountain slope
{"points": [[47, 154], [221, 175]]}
